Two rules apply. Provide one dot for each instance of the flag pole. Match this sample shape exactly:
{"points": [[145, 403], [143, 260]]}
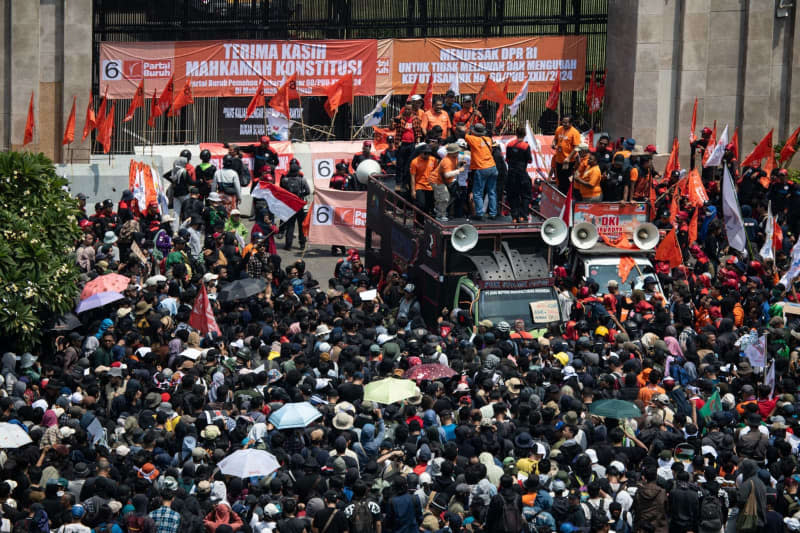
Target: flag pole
{"points": [[333, 119], [302, 123]]}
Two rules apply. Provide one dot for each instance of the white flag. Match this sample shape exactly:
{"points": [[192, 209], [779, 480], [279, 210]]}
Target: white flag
{"points": [[521, 96], [536, 150], [766, 250], [373, 118], [715, 159], [794, 268], [278, 124], [757, 353], [769, 379], [734, 225], [454, 85]]}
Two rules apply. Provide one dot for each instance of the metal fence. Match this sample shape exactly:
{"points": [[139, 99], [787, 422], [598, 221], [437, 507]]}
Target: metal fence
{"points": [[154, 20]]}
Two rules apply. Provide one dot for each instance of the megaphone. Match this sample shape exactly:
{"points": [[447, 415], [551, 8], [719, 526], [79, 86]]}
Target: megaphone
{"points": [[464, 238], [645, 236], [366, 169], [554, 231], [584, 236]]}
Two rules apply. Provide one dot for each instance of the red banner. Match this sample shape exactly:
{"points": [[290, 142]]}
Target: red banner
{"points": [[234, 68], [552, 201], [611, 219], [338, 217]]}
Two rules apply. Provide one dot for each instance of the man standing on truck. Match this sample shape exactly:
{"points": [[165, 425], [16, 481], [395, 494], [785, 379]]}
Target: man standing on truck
{"points": [[408, 128], [518, 184], [443, 176], [421, 171], [484, 171], [565, 140], [589, 181]]}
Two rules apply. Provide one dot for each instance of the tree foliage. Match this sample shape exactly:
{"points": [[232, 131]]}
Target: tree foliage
{"points": [[38, 231]]}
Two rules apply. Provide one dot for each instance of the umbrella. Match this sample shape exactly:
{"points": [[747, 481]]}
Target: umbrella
{"points": [[294, 415], [431, 371], [240, 290], [98, 300], [66, 322], [13, 436], [390, 390], [249, 463], [614, 409], [107, 283]]}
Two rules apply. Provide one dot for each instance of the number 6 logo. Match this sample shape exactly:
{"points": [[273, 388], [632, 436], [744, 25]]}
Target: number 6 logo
{"points": [[112, 69], [323, 215], [323, 169]]}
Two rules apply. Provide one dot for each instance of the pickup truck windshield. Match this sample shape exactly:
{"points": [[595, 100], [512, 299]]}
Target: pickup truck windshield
{"points": [[602, 273], [512, 305]]}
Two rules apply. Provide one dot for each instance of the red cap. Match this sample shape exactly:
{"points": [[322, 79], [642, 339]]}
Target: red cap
{"points": [[152, 203], [706, 132], [729, 147], [650, 149], [165, 396], [85, 223], [116, 364], [683, 214], [264, 139]]}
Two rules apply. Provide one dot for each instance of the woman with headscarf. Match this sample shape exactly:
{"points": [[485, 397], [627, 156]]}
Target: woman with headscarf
{"points": [[493, 472], [752, 483], [217, 380], [221, 515]]}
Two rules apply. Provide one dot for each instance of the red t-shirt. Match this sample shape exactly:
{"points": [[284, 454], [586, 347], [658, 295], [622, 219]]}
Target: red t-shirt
{"points": [[408, 131]]}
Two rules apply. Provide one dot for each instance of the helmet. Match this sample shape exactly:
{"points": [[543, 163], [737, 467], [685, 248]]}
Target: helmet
{"points": [[503, 327], [582, 325], [601, 331], [187, 154], [390, 139], [583, 343], [227, 161], [341, 166], [205, 156]]}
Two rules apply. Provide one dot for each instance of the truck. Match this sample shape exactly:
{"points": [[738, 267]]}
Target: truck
{"points": [[505, 276]]}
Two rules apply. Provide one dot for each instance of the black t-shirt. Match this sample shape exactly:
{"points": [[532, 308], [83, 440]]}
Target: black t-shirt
{"points": [[350, 392], [615, 183], [292, 525], [338, 524], [604, 158]]}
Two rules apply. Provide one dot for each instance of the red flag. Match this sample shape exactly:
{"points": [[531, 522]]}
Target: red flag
{"points": [[697, 191], [673, 163], [590, 139], [108, 129], [566, 211], [29, 124], [692, 136], [712, 142], [91, 120], [498, 118], [777, 235], [598, 94], [771, 164], [482, 90], [202, 317], [101, 114], [590, 93], [286, 93], [155, 111], [693, 226], [69, 131], [256, 101], [136, 103], [494, 93], [555, 91], [626, 264], [165, 100], [674, 205], [379, 137], [791, 146], [735, 143], [339, 93], [183, 99], [427, 101], [669, 250], [413, 90], [653, 200], [760, 151]]}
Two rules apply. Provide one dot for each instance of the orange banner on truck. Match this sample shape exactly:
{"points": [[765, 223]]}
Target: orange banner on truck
{"points": [[234, 68], [338, 218], [612, 219]]}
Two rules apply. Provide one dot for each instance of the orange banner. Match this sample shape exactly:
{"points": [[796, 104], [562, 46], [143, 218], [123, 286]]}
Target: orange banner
{"points": [[234, 68], [536, 59], [338, 217], [612, 219]]}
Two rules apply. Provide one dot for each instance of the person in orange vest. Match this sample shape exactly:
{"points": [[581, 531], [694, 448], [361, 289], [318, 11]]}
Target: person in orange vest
{"points": [[468, 115], [519, 332]]}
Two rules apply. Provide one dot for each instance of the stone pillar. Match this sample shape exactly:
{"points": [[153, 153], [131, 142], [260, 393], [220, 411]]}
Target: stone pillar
{"points": [[77, 44], [758, 67], [51, 76], [24, 71]]}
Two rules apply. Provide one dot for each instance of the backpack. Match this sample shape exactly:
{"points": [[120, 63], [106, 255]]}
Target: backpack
{"points": [[597, 514], [512, 517], [244, 177], [679, 373], [710, 512], [362, 520], [134, 523], [293, 185]]}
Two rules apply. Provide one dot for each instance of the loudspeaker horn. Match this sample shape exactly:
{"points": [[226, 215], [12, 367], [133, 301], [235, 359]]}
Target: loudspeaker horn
{"points": [[554, 231], [366, 169], [645, 236], [464, 238], [584, 236]]}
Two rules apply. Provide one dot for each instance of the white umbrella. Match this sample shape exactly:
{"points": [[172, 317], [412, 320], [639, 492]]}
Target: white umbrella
{"points": [[13, 436], [249, 463]]}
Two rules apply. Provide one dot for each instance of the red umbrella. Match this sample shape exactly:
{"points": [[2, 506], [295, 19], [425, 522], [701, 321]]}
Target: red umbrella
{"points": [[107, 283], [431, 371]]}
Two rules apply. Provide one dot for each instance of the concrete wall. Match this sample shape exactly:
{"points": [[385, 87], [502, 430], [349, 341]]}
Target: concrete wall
{"points": [[46, 49], [736, 57]]}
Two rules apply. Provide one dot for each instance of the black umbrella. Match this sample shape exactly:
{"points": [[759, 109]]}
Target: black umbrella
{"points": [[66, 322], [241, 289]]}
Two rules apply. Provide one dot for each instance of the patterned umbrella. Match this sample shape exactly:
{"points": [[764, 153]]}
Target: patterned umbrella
{"points": [[107, 283], [12, 436], [431, 371]]}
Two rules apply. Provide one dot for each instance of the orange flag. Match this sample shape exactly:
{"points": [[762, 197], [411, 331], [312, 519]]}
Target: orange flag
{"points": [[101, 114], [712, 142], [674, 206], [791, 146], [693, 226], [69, 131], [697, 191], [692, 136], [155, 111], [771, 164], [286, 93], [498, 118], [760, 151], [183, 99], [202, 316], [108, 129], [90, 119], [555, 92], [626, 264], [339, 93], [622, 242], [673, 163], [413, 90], [427, 101], [165, 100], [494, 93], [735, 143], [482, 90], [777, 235], [29, 124], [653, 199], [136, 103], [256, 101], [669, 250]]}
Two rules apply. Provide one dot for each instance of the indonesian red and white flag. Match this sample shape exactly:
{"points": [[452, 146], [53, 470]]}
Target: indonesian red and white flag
{"points": [[202, 317], [281, 202], [715, 159]]}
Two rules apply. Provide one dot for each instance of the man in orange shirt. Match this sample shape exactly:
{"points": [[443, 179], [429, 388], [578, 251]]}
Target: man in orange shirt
{"points": [[468, 115], [484, 174], [408, 130], [447, 171], [421, 170], [589, 181], [416, 105], [565, 140], [437, 117], [647, 392]]}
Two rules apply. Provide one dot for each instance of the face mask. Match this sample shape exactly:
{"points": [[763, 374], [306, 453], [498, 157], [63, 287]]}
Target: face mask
{"points": [[614, 486]]}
